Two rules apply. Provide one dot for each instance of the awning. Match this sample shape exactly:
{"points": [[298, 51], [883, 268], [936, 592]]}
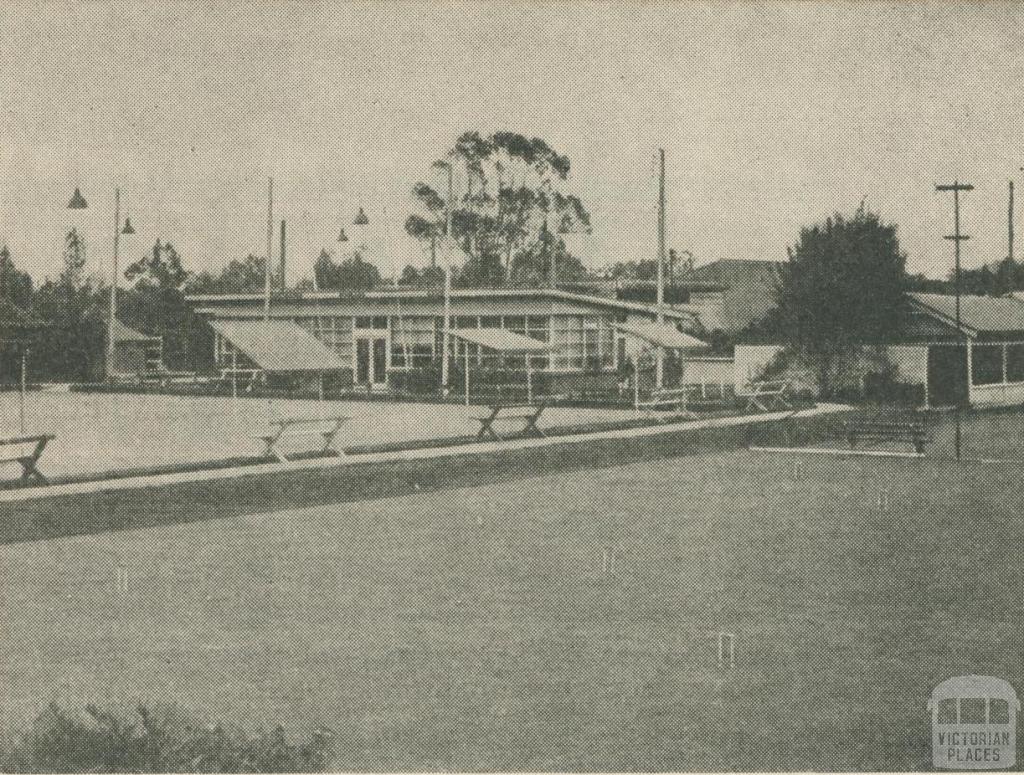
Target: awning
{"points": [[661, 335], [500, 339], [279, 345]]}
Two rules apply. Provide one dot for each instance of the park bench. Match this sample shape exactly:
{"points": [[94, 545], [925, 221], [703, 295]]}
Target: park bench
{"points": [[291, 428], [527, 413], [668, 398], [881, 431], [25, 450], [766, 395]]}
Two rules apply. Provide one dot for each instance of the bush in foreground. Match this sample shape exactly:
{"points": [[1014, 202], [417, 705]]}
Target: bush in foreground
{"points": [[162, 738]]}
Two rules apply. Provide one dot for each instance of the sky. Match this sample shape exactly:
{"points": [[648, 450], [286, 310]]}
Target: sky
{"points": [[772, 117]]}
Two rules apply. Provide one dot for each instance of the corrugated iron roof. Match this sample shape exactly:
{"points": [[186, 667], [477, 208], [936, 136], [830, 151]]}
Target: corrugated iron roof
{"points": [[501, 339], [661, 334], [977, 313], [279, 345]]}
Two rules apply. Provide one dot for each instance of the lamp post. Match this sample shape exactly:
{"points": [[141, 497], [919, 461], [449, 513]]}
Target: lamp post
{"points": [[78, 202], [449, 250]]}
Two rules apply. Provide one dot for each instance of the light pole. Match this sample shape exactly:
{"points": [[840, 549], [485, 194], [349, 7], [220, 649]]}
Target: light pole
{"points": [[78, 202], [449, 250]]}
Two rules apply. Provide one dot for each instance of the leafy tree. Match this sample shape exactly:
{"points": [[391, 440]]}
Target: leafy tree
{"points": [[160, 267], [352, 274], [156, 305], [429, 228], [429, 277], [511, 190], [633, 270], [842, 287], [246, 276], [533, 266], [15, 285], [72, 274]]}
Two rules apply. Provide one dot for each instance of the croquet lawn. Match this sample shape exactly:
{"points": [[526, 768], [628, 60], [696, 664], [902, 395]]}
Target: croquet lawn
{"points": [[486, 628]]}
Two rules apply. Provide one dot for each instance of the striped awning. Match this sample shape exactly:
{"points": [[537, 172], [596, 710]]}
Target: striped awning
{"points": [[279, 345], [661, 335], [500, 339]]}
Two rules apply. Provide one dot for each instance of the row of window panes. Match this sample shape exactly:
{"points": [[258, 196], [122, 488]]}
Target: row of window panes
{"points": [[371, 322], [972, 711], [994, 364]]}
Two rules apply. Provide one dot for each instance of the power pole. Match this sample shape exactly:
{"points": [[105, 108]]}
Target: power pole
{"points": [[267, 273], [1009, 225], [956, 187], [659, 375], [112, 315]]}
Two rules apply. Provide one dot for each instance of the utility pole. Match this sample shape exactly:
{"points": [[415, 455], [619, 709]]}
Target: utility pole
{"points": [[659, 375], [112, 316], [956, 187], [1009, 225], [270, 249]]}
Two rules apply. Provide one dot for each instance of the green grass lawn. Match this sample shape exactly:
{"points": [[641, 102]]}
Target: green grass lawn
{"points": [[476, 629]]}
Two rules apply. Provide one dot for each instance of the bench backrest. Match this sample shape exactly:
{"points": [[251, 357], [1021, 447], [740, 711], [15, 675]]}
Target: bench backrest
{"points": [[17, 447], [338, 418]]}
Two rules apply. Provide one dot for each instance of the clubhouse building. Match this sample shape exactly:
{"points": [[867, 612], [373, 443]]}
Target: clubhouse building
{"points": [[382, 339]]}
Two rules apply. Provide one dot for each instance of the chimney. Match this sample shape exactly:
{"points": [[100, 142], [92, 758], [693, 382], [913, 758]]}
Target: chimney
{"points": [[282, 278]]}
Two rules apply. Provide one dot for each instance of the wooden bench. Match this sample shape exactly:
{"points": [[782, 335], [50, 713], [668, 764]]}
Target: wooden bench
{"points": [[286, 429], [528, 413], [767, 395], [27, 451], [880, 431], [668, 398]]}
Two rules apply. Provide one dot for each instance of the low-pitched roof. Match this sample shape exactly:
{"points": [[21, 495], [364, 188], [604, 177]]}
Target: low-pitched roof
{"points": [[279, 345], [123, 333], [675, 311], [661, 334], [501, 339], [978, 314]]}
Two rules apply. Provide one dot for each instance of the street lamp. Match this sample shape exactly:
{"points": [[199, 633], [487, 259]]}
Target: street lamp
{"points": [[78, 203]]}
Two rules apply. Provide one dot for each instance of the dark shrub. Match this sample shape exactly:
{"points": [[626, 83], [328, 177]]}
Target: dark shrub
{"points": [[159, 739]]}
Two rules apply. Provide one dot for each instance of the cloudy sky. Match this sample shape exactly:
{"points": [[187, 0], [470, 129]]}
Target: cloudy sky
{"points": [[772, 115]]}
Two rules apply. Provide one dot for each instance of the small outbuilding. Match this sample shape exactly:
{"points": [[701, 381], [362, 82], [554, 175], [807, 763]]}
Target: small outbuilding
{"points": [[135, 352]]}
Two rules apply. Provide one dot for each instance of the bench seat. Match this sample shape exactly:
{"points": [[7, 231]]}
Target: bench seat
{"points": [[913, 433]]}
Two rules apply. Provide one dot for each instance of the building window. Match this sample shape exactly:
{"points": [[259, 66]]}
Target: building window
{"points": [[1015, 362], [987, 364], [412, 341], [376, 322]]}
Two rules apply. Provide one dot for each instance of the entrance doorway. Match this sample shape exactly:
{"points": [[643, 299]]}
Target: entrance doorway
{"points": [[947, 375], [372, 361]]}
